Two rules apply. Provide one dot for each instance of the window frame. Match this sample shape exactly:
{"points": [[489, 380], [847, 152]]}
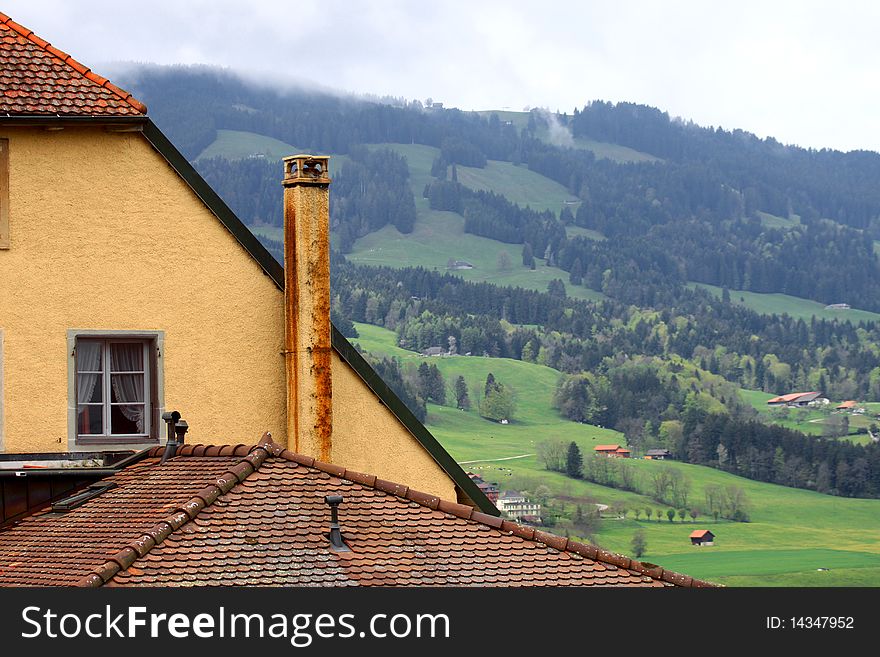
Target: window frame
{"points": [[153, 386], [107, 402]]}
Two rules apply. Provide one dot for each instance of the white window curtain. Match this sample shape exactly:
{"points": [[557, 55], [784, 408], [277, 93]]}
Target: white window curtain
{"points": [[88, 357], [128, 387]]}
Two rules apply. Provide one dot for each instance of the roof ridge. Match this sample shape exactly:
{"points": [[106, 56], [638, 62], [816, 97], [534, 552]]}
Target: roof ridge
{"points": [[141, 545], [83, 70]]}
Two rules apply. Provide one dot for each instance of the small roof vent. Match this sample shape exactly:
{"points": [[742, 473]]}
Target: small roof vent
{"points": [[337, 543]]}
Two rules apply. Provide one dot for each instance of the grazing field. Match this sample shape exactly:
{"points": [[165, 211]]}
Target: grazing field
{"points": [[792, 532], [773, 221], [589, 233], [439, 236], [518, 184], [238, 145], [613, 152], [778, 304]]}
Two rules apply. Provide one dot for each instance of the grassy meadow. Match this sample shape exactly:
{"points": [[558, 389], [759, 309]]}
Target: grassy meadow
{"points": [[778, 304], [518, 184], [791, 535], [440, 235]]}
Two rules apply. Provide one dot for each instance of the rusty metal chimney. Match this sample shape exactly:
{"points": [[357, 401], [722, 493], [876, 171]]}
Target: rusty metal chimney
{"points": [[307, 304]]}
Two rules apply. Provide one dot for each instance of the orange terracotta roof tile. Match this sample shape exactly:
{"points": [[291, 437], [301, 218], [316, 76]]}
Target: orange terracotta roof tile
{"points": [[257, 516], [606, 448], [36, 78], [700, 533]]}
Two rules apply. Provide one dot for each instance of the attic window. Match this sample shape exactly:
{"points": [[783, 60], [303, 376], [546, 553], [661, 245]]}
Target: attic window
{"points": [[4, 193]]}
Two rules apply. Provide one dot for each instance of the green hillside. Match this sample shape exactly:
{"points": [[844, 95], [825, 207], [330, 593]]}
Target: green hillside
{"points": [[772, 221], [439, 236], [777, 304], [792, 532], [518, 184], [238, 145]]}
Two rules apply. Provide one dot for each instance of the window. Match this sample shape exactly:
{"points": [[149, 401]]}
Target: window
{"points": [[115, 390]]}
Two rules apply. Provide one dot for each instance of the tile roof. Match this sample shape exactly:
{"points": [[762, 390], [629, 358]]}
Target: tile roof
{"points": [[255, 515], [793, 397], [38, 79], [606, 448], [700, 533]]}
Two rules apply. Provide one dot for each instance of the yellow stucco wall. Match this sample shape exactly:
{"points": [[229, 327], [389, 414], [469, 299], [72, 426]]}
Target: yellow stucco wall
{"points": [[106, 236], [363, 426]]}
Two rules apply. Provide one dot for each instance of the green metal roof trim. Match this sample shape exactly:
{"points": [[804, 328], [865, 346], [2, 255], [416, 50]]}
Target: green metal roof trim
{"points": [[343, 347]]}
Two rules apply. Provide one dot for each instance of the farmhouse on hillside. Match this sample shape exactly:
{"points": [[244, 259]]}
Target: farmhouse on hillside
{"points": [[702, 537], [850, 405], [614, 451], [797, 399], [658, 454]]}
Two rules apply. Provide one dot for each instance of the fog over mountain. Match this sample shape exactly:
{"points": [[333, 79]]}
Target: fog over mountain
{"points": [[803, 72]]}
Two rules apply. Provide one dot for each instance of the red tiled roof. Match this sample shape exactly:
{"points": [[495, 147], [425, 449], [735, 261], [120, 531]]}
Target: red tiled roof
{"points": [[606, 448], [700, 533], [38, 79], [256, 516], [793, 396], [848, 404]]}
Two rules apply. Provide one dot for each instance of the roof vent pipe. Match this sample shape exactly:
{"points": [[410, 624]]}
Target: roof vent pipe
{"points": [[171, 419], [180, 430], [337, 544]]}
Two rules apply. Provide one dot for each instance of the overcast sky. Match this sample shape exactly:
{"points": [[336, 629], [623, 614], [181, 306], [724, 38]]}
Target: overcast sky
{"points": [[805, 72]]}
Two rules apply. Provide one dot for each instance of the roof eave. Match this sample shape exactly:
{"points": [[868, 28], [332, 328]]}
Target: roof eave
{"points": [[63, 120]]}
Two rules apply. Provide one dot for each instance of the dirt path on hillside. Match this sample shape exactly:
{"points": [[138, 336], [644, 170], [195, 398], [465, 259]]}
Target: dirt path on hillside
{"points": [[506, 458]]}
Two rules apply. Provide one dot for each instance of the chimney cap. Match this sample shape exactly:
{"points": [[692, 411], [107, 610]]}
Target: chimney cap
{"points": [[304, 169]]}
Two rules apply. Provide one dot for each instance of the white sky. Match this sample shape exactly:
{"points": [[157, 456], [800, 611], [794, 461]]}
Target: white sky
{"points": [[805, 72]]}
